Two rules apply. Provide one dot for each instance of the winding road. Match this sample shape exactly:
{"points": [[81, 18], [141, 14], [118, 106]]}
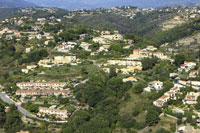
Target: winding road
{"points": [[7, 100]]}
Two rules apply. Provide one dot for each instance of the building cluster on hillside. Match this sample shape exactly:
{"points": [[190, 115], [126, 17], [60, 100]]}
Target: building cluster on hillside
{"points": [[66, 46], [187, 66], [148, 52], [191, 98], [59, 114], [10, 33], [133, 62], [106, 37], [51, 92], [36, 36], [171, 94], [190, 83], [41, 85], [42, 89], [131, 65], [29, 68], [57, 60]]}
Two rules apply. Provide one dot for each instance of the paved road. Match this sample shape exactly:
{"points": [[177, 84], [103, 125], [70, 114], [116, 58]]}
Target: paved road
{"points": [[82, 82], [7, 100]]}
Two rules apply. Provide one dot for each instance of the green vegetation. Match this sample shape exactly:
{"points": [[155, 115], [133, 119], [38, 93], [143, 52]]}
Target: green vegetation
{"points": [[10, 121], [176, 33], [105, 103]]}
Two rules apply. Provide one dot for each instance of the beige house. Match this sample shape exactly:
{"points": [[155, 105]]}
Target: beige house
{"points": [[45, 63], [104, 48], [31, 67], [193, 74], [62, 114], [105, 33], [33, 92], [159, 103], [131, 79], [29, 49], [85, 46], [113, 37], [125, 62], [151, 48], [41, 85], [63, 59], [56, 61], [107, 70], [139, 54], [25, 71], [100, 40], [171, 94], [129, 69], [23, 131], [159, 55], [191, 98]]}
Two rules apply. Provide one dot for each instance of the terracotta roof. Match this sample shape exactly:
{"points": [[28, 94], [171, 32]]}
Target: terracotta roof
{"points": [[159, 101], [171, 92], [137, 50], [154, 82], [164, 97], [173, 89], [190, 96], [132, 78]]}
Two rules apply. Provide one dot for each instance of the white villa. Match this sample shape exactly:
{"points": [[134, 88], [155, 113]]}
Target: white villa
{"points": [[187, 66], [154, 85]]}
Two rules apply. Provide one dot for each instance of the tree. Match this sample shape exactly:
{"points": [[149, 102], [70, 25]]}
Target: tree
{"points": [[13, 120], [197, 106], [152, 117], [189, 118], [179, 59], [128, 121], [162, 130], [51, 44], [56, 38], [198, 99], [179, 122], [113, 72], [2, 115], [138, 88], [67, 130], [126, 96], [149, 63]]}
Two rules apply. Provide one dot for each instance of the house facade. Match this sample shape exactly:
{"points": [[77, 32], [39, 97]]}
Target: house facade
{"points": [[62, 114]]}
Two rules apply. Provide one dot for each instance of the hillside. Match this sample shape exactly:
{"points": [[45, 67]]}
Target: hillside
{"points": [[7, 12], [116, 70]]}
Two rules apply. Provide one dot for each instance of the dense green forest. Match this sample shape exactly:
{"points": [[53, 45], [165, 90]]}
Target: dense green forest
{"points": [[141, 25]]}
